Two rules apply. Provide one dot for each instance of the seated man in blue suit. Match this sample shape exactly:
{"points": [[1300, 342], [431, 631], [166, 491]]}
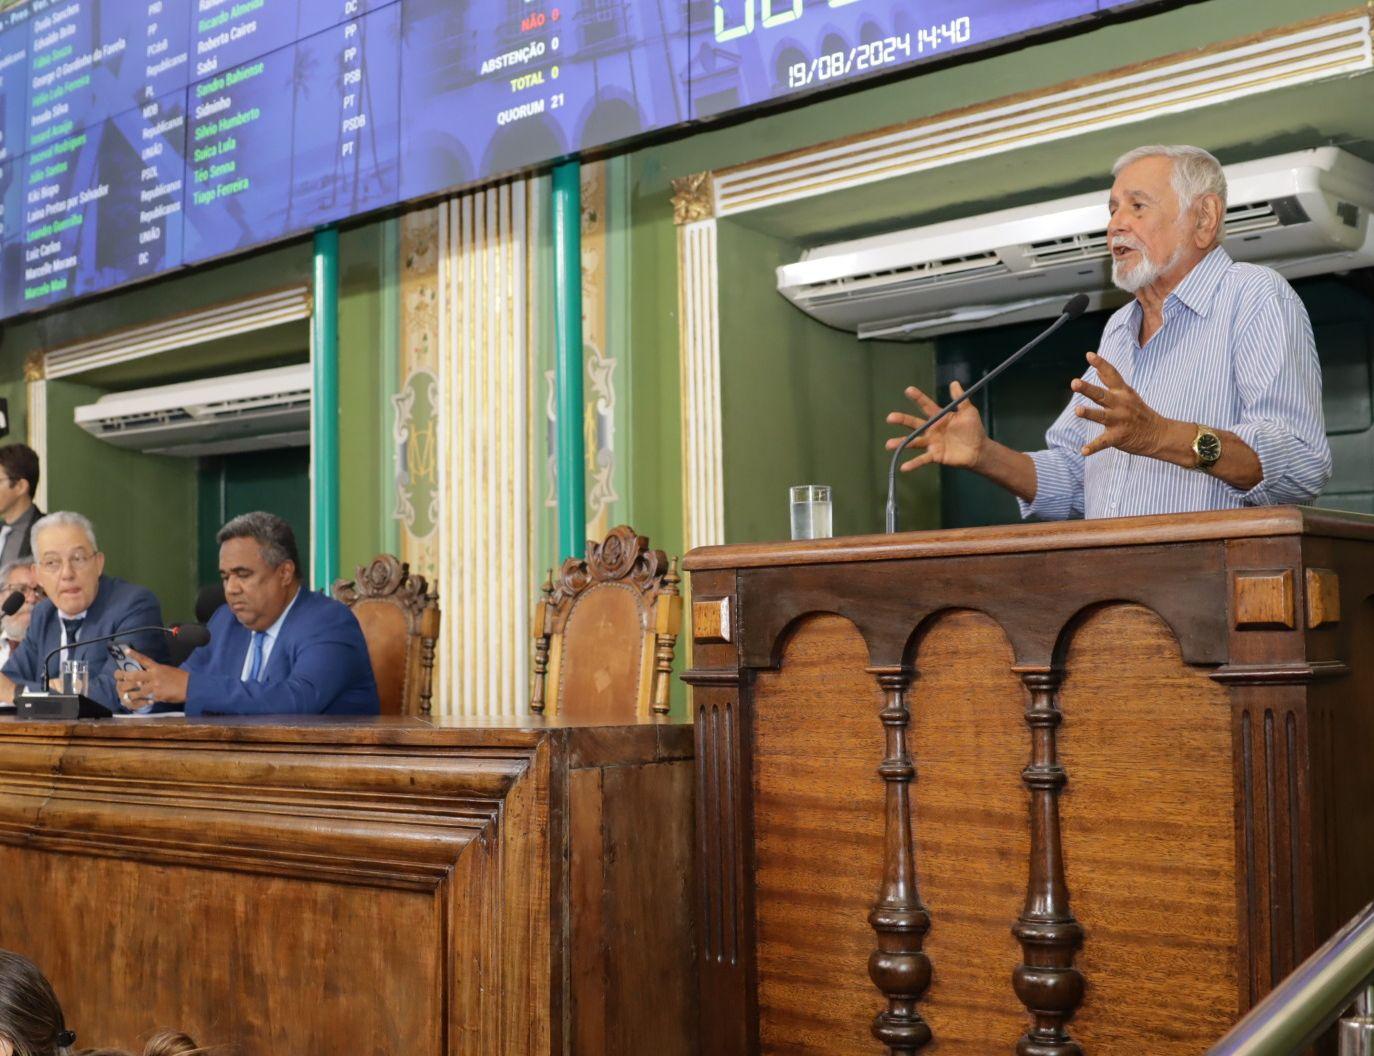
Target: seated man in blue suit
{"points": [[82, 604], [275, 647]]}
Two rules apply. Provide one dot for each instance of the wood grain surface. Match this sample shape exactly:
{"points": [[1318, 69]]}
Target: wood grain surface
{"points": [[374, 887], [1250, 523], [818, 818], [1207, 782], [970, 743], [1149, 823]]}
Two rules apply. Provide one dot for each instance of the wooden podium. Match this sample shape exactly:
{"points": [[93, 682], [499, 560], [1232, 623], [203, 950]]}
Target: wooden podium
{"points": [[1094, 786]]}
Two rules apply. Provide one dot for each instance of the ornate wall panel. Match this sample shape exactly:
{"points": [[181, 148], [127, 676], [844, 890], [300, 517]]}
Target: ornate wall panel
{"points": [[415, 406]]}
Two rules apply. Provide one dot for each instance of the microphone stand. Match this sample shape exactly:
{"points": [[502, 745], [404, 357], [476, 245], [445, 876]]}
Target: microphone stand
{"points": [[1072, 310], [42, 704]]}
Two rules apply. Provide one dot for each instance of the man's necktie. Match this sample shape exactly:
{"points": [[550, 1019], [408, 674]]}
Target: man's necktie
{"points": [[73, 629], [255, 664]]}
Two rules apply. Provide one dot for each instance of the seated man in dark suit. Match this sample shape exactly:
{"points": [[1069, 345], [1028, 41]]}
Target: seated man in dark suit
{"points": [[81, 604], [275, 647]]}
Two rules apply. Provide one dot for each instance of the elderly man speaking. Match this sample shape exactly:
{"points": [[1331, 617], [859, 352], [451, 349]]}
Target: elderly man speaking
{"points": [[1205, 392]]}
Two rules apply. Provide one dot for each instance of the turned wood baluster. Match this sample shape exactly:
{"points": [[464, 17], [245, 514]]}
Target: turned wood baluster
{"points": [[543, 632], [899, 967], [1046, 981]]}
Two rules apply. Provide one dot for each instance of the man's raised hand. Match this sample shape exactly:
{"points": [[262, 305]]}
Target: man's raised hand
{"points": [[1128, 422], [956, 440]]}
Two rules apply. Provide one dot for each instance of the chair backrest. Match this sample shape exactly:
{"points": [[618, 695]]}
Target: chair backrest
{"points": [[605, 631], [399, 616]]}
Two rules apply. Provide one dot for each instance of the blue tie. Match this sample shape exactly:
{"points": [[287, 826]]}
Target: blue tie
{"points": [[73, 628], [255, 665]]}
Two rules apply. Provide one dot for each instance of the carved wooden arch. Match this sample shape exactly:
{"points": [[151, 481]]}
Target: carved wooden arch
{"points": [[572, 653], [399, 615], [773, 597]]}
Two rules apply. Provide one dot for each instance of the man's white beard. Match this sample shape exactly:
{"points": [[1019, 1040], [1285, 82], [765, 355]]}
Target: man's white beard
{"points": [[1133, 277], [8, 629]]}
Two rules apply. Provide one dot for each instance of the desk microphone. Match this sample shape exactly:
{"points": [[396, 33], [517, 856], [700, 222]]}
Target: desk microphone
{"points": [[44, 705], [1076, 307], [13, 603]]}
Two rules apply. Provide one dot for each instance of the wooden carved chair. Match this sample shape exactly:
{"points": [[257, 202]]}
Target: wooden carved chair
{"points": [[605, 631], [399, 616]]}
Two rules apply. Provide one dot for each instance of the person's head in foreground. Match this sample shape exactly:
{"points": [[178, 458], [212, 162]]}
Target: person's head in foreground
{"points": [[31, 1022]]}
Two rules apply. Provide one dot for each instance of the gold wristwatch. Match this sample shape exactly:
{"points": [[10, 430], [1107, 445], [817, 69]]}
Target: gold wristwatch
{"points": [[1206, 448]]}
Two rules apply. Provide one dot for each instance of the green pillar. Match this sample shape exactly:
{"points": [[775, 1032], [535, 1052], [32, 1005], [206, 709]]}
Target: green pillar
{"points": [[567, 306], [324, 411]]}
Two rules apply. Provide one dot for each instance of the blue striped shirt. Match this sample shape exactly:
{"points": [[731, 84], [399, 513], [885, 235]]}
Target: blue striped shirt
{"points": [[1235, 353]]}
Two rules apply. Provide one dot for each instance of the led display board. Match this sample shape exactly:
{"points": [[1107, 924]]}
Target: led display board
{"points": [[137, 136]]}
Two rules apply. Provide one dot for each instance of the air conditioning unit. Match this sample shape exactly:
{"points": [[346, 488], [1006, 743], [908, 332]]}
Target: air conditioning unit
{"points": [[257, 411], [1306, 213]]}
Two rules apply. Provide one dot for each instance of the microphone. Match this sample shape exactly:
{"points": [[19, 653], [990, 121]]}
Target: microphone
{"points": [[1076, 307], [194, 634], [13, 603], [208, 600]]}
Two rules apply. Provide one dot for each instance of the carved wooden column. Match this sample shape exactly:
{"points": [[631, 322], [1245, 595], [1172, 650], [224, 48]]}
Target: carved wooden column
{"points": [[1046, 981], [899, 966]]}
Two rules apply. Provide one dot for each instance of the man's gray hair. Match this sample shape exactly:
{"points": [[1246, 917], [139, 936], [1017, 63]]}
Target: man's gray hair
{"points": [[272, 534], [9, 566], [1195, 173], [60, 519]]}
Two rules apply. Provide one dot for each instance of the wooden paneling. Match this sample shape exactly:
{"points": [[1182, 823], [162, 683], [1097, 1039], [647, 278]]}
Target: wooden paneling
{"points": [[1264, 600], [969, 742], [818, 823], [370, 887], [1207, 782], [1149, 828], [226, 957], [1323, 597], [631, 839]]}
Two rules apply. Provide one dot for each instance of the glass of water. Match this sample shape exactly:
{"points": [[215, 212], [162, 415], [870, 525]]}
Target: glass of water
{"points": [[76, 676], [811, 511]]}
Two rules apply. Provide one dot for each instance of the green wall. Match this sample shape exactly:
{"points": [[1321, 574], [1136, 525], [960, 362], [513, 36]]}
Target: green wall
{"points": [[804, 404], [367, 380], [143, 506], [229, 485]]}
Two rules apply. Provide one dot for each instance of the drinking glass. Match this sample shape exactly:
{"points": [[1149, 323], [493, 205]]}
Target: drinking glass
{"points": [[76, 676], [811, 511]]}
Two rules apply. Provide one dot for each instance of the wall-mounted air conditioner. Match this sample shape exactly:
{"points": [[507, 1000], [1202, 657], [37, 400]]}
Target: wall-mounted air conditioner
{"points": [[255, 411], [1306, 213]]}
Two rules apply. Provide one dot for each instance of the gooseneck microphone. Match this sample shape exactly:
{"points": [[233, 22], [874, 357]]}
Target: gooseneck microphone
{"points": [[13, 603], [194, 634], [1076, 307]]}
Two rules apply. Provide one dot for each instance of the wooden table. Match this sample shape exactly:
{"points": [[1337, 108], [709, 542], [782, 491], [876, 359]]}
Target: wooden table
{"points": [[1091, 785], [381, 887]]}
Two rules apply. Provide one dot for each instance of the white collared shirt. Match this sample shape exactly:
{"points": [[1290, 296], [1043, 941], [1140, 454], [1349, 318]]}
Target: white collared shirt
{"points": [[268, 641]]}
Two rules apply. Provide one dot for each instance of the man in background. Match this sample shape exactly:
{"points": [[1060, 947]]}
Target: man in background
{"points": [[18, 485], [275, 648], [82, 604], [17, 577]]}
